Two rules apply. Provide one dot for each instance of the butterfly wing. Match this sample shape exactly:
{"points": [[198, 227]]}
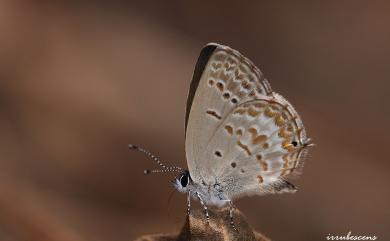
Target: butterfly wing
{"points": [[262, 143], [223, 79]]}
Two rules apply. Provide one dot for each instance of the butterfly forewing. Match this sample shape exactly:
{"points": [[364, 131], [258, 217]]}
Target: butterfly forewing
{"points": [[223, 79]]}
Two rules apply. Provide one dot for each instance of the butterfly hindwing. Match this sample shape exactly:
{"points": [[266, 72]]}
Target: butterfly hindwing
{"points": [[260, 144]]}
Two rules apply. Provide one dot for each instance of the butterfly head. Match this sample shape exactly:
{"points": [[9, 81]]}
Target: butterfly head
{"points": [[182, 181]]}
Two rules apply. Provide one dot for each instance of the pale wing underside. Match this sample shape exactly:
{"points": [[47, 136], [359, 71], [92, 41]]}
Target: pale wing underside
{"points": [[238, 132], [223, 79], [259, 144]]}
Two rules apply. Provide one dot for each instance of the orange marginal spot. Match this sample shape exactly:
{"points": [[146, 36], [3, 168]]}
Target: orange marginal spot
{"points": [[279, 120], [252, 112], [288, 146], [268, 112], [283, 133], [240, 111], [244, 147]]}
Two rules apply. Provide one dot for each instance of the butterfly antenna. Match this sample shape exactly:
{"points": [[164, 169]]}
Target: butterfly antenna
{"points": [[153, 157]]}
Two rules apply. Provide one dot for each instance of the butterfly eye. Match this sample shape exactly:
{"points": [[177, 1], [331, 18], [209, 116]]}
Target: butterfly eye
{"points": [[184, 180], [294, 143]]}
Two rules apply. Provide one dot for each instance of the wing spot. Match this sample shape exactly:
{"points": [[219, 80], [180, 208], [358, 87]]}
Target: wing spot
{"points": [[245, 85], [242, 170], [229, 129], [214, 114], [263, 164], [240, 111], [279, 121], [268, 112], [216, 65], [220, 86], [234, 100], [239, 132], [257, 139], [211, 82], [226, 95], [233, 164], [244, 147], [252, 112], [260, 139], [294, 143], [253, 131], [288, 146], [265, 145], [283, 133], [260, 179], [218, 153]]}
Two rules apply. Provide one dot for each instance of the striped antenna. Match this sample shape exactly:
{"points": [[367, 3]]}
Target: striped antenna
{"points": [[153, 157]]}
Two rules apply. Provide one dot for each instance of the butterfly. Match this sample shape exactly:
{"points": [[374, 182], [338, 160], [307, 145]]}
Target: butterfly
{"points": [[241, 138]]}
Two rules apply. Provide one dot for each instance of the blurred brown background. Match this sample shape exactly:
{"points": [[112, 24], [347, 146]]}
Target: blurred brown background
{"points": [[79, 81]]}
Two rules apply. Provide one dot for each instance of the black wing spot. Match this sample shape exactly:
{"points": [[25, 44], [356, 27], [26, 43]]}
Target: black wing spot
{"points": [[218, 153], [213, 114], [294, 143], [233, 164]]}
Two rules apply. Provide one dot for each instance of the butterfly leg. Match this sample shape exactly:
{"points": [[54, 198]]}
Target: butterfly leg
{"points": [[189, 203], [231, 208], [206, 212]]}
